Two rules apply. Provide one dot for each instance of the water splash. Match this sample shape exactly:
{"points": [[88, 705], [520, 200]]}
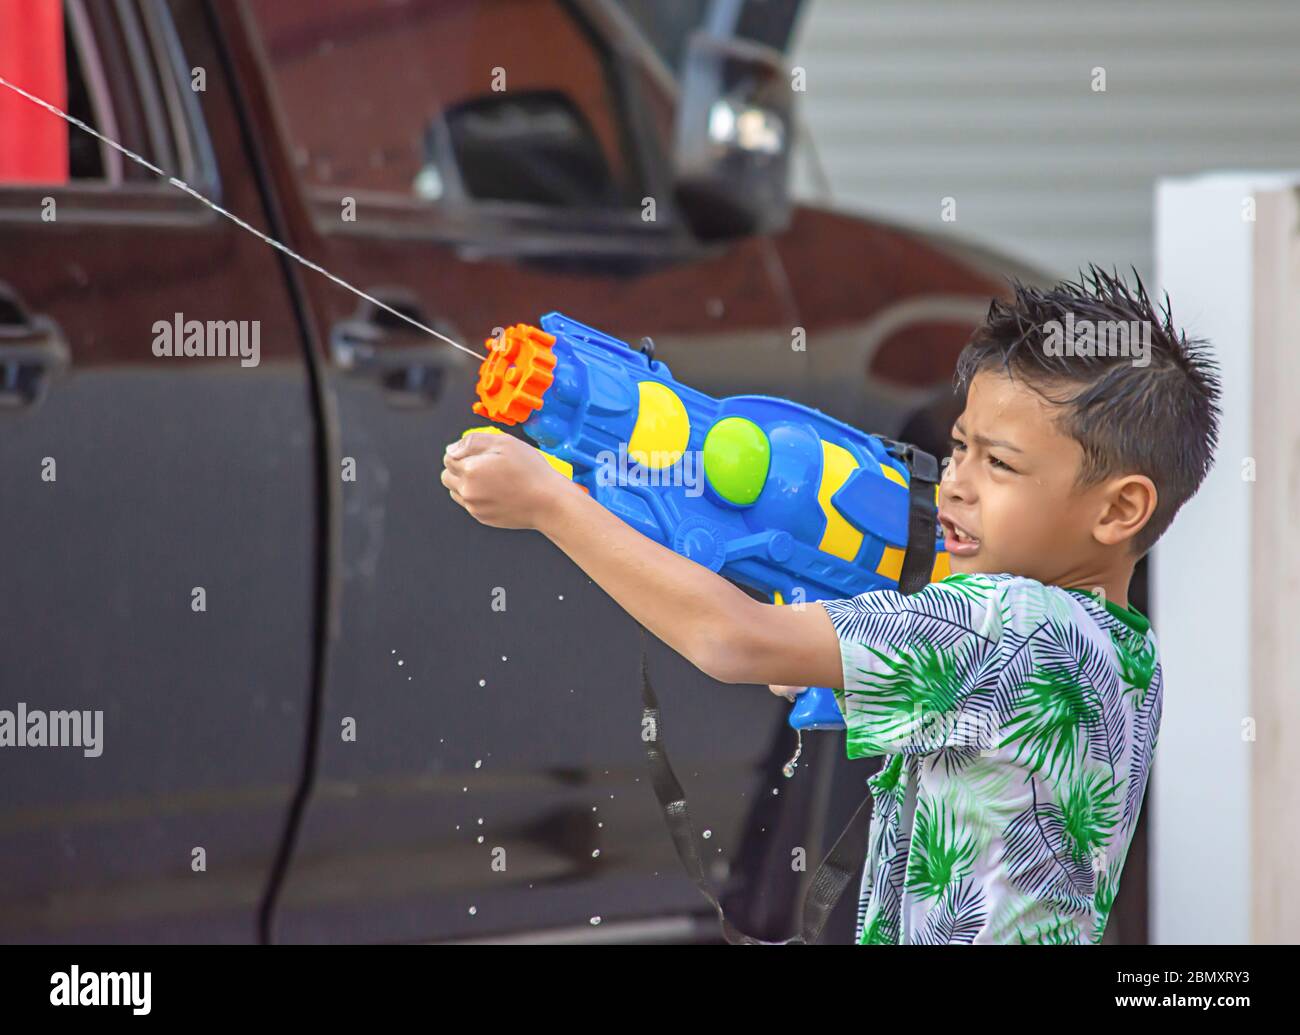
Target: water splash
{"points": [[788, 769]]}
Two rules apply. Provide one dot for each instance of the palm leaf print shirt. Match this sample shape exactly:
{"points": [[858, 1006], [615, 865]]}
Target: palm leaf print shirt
{"points": [[1018, 722]]}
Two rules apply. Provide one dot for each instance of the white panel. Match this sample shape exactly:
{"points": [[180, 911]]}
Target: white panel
{"points": [[1201, 593]]}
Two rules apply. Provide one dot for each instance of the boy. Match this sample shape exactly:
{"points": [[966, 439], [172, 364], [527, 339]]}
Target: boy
{"points": [[1019, 700]]}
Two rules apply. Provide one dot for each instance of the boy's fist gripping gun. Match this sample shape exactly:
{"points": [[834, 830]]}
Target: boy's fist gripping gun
{"points": [[773, 495]]}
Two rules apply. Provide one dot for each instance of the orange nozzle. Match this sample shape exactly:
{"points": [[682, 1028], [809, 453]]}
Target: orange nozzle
{"points": [[520, 366]]}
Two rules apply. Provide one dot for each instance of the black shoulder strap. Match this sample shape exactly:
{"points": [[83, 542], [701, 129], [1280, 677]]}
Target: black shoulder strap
{"points": [[918, 559], [828, 883], [846, 857]]}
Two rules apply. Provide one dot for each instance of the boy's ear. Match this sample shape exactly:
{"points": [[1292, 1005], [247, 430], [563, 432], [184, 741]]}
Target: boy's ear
{"points": [[1129, 503]]}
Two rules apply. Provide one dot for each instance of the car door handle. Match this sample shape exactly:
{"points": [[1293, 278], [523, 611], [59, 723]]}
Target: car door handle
{"points": [[33, 351], [411, 366]]}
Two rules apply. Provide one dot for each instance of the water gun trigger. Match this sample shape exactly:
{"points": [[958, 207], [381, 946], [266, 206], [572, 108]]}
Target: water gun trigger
{"points": [[816, 709]]}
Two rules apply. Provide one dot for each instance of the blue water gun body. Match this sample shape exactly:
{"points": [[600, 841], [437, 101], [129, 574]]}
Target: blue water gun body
{"points": [[776, 496]]}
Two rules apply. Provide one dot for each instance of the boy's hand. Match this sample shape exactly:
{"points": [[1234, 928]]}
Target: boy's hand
{"points": [[790, 693], [500, 480]]}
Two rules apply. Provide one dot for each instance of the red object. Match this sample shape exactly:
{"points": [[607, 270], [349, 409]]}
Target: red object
{"points": [[33, 142]]}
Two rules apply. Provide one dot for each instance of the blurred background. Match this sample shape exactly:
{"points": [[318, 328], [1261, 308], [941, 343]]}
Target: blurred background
{"points": [[993, 103], [814, 199]]}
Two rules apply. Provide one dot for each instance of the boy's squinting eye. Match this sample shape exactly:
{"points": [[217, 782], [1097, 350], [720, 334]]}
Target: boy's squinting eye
{"points": [[954, 444]]}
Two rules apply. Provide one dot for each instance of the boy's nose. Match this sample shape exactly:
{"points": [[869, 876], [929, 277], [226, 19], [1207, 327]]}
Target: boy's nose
{"points": [[952, 486]]}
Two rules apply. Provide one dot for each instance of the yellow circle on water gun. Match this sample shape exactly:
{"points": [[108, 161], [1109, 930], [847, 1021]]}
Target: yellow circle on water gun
{"points": [[662, 426]]}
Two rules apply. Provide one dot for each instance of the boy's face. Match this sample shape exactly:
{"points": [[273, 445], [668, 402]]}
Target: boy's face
{"points": [[1010, 484]]}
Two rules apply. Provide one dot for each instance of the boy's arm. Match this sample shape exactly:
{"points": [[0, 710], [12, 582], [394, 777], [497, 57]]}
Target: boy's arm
{"points": [[720, 629]]}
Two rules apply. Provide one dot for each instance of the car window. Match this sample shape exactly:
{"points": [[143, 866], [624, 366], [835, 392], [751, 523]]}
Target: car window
{"points": [[449, 101], [96, 63], [39, 148]]}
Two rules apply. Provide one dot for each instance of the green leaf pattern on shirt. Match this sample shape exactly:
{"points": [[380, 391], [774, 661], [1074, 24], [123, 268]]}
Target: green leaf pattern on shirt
{"points": [[1021, 719]]}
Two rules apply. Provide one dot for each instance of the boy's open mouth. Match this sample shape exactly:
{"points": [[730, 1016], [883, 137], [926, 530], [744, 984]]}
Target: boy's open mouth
{"points": [[957, 540]]}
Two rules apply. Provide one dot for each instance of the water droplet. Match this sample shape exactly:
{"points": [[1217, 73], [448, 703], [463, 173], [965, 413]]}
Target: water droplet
{"points": [[504, 658], [480, 839], [480, 821], [788, 769], [393, 651], [482, 682], [596, 854], [595, 920], [776, 790], [400, 661], [473, 910], [478, 764], [561, 596], [708, 834]]}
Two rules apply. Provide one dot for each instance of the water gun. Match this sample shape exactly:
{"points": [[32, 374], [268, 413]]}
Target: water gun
{"points": [[773, 495]]}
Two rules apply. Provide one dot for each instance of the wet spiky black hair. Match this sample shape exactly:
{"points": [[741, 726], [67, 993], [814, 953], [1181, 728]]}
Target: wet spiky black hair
{"points": [[1159, 418]]}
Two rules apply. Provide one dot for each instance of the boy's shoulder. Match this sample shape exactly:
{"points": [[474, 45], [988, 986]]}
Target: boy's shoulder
{"points": [[1011, 594], [1001, 612], [1023, 604], [1004, 583]]}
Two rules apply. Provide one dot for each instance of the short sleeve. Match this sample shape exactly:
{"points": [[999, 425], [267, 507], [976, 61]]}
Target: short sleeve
{"points": [[920, 671]]}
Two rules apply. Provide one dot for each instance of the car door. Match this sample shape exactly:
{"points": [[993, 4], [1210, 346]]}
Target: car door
{"points": [[157, 508], [480, 768]]}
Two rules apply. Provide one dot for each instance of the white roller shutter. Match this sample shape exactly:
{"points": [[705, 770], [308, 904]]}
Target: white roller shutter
{"points": [[991, 103]]}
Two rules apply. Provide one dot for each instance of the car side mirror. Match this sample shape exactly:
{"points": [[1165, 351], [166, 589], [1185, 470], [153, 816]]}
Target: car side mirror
{"points": [[734, 129]]}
